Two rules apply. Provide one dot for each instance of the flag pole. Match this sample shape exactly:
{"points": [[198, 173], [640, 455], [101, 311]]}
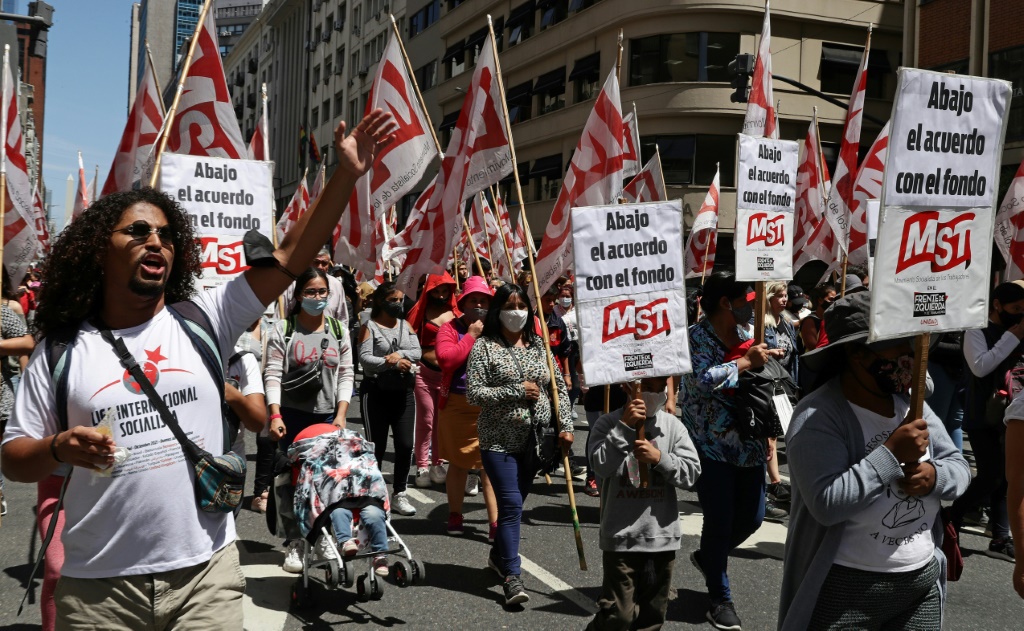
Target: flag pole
{"points": [[455, 266], [156, 79], [577, 532], [487, 237], [3, 148], [618, 64], [472, 246], [169, 119], [501, 235], [96, 184], [416, 87]]}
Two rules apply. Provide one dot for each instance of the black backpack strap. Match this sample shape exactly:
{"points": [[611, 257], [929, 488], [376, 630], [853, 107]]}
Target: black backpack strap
{"points": [[200, 332]]}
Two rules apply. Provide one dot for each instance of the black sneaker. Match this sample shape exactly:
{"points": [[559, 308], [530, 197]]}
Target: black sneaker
{"points": [[723, 616], [515, 593], [696, 563], [772, 512], [779, 492], [1001, 549]]}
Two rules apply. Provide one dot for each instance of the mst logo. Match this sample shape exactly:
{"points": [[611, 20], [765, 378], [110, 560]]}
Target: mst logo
{"points": [[640, 321], [943, 245], [766, 228]]}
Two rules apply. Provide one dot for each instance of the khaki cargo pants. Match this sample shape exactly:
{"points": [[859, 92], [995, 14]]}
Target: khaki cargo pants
{"points": [[205, 596]]}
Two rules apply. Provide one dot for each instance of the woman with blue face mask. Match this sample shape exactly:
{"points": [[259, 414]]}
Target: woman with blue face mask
{"points": [[303, 339]]}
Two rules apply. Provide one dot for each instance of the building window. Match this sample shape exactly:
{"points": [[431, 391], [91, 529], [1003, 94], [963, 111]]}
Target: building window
{"points": [[579, 5], [690, 159], [520, 102], [353, 111], [339, 104], [547, 172], [454, 59], [316, 74], [586, 77], [454, 3], [314, 118], [551, 12], [520, 23], [499, 34], [325, 107], [426, 76], [550, 90], [840, 64], [681, 57], [1009, 65], [446, 126], [473, 44], [423, 18]]}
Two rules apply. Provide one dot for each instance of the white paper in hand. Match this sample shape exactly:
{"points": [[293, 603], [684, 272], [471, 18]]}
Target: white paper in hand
{"points": [[784, 409]]}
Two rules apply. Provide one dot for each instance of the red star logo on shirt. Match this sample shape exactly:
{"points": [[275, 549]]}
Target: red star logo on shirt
{"points": [[155, 356]]}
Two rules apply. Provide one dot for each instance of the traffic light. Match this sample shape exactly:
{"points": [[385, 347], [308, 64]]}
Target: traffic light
{"points": [[741, 68]]}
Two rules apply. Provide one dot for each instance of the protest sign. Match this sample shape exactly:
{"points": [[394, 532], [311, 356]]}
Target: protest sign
{"points": [[766, 202], [225, 199], [630, 297], [934, 250]]}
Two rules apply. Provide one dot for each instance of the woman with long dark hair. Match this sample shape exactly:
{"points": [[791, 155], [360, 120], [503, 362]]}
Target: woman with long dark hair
{"points": [[295, 344], [509, 379], [864, 544], [389, 352]]}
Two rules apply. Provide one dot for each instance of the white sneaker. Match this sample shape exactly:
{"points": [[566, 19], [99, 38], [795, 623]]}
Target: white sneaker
{"points": [[293, 560], [402, 505], [575, 414], [438, 474], [424, 477], [324, 550], [472, 484]]}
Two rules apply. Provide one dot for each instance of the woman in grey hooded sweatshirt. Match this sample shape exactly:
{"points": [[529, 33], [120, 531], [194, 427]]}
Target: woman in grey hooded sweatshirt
{"points": [[864, 544]]}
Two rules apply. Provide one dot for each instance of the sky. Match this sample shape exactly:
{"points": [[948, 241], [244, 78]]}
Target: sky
{"points": [[86, 90]]}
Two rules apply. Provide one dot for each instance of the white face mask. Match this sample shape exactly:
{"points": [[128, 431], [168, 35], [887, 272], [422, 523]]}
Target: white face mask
{"points": [[513, 320], [565, 301], [654, 402]]}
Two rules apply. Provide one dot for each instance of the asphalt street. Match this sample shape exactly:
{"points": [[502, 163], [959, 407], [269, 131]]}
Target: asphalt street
{"points": [[460, 592]]}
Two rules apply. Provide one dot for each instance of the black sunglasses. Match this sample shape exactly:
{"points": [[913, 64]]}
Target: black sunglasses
{"points": [[140, 231]]}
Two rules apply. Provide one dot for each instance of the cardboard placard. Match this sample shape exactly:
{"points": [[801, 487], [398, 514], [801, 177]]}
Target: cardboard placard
{"points": [[934, 249], [766, 203], [630, 294], [225, 199]]}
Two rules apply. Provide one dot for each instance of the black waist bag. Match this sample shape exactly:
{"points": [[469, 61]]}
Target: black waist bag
{"points": [[756, 416]]}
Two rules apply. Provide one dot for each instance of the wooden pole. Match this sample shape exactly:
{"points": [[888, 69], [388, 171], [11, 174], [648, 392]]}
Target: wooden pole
{"points": [[917, 394], [843, 279], [618, 59], [455, 267], [472, 246], [156, 79], [169, 119], [3, 150], [487, 237], [645, 474], [759, 308], [577, 532]]}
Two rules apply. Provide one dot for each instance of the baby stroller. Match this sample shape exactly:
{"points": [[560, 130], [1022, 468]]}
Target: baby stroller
{"points": [[334, 469]]}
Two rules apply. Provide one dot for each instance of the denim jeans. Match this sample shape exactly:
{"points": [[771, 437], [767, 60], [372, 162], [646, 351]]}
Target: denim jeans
{"points": [[371, 518], [732, 499], [947, 401], [511, 481]]}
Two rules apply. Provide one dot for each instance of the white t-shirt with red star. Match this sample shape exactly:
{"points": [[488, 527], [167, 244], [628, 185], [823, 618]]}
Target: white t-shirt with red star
{"points": [[143, 517]]}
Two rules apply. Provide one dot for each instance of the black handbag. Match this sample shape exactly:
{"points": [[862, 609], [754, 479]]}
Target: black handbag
{"points": [[541, 449], [756, 415], [393, 380], [306, 381]]}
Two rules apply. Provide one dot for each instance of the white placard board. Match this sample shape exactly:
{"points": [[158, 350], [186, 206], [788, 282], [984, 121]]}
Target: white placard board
{"points": [[630, 295], [934, 250], [766, 203], [225, 199]]}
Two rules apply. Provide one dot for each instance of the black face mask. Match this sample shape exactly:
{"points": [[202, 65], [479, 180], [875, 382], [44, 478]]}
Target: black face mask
{"points": [[394, 309], [1010, 319], [892, 376], [476, 314], [438, 300]]}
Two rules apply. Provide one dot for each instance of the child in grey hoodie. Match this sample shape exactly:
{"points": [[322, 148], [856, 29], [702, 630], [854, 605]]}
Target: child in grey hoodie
{"points": [[640, 526]]}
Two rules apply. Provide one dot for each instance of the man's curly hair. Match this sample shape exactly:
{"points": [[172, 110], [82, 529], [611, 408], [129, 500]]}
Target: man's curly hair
{"points": [[72, 282]]}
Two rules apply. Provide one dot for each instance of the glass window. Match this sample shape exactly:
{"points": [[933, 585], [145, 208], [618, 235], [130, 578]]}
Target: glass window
{"points": [[839, 66], [690, 159], [426, 76], [680, 57], [1009, 65], [314, 118], [520, 102], [552, 12]]}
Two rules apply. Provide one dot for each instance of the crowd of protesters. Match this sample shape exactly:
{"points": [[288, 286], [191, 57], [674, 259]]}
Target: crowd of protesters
{"points": [[458, 381]]}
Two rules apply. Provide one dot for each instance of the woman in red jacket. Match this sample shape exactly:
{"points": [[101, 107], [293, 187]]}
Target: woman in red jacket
{"points": [[457, 437]]}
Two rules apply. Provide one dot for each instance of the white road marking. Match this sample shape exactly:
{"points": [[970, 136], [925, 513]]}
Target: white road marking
{"points": [[556, 584], [265, 604], [418, 497], [770, 538]]}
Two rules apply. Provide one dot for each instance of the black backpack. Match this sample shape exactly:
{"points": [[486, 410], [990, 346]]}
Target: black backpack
{"points": [[756, 416]]}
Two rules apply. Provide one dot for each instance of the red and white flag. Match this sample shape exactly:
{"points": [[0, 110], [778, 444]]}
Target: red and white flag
{"points": [[868, 185], [760, 119], [318, 183], [649, 184], [594, 178], [703, 239], [1010, 227], [515, 239], [41, 224], [205, 124], [396, 169], [478, 156], [82, 196], [630, 145], [840, 197], [384, 232], [21, 244], [496, 244], [294, 210], [812, 235], [139, 138], [259, 144]]}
